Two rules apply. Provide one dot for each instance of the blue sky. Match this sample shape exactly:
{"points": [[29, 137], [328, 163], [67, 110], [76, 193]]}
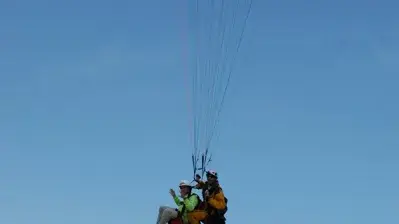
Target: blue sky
{"points": [[94, 121]]}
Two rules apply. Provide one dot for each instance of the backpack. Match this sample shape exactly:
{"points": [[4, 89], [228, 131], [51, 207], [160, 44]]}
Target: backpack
{"points": [[222, 212]]}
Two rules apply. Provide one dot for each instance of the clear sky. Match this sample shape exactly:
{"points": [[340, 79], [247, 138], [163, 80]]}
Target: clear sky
{"points": [[94, 121]]}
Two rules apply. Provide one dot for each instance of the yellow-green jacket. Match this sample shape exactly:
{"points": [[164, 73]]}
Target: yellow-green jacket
{"points": [[188, 204]]}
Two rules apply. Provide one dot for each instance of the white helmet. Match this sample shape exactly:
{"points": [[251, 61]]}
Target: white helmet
{"points": [[185, 183], [212, 173]]}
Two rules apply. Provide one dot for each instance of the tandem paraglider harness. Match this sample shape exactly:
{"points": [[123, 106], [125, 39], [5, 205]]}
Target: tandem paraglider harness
{"points": [[216, 218]]}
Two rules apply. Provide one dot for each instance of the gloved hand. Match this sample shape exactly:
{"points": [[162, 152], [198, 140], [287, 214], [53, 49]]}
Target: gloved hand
{"points": [[197, 178], [172, 192]]}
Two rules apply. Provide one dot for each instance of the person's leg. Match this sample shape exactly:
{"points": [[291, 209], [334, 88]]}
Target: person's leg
{"points": [[160, 212], [167, 215], [195, 217]]}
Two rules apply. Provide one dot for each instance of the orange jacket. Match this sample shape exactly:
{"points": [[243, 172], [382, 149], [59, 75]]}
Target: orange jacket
{"points": [[215, 201]]}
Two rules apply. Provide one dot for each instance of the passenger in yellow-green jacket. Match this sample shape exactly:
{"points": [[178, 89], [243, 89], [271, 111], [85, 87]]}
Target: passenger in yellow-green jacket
{"points": [[190, 200], [189, 203]]}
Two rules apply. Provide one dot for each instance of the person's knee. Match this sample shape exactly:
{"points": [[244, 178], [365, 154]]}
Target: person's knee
{"points": [[162, 208], [170, 212], [197, 216], [190, 216], [202, 215], [192, 219]]}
